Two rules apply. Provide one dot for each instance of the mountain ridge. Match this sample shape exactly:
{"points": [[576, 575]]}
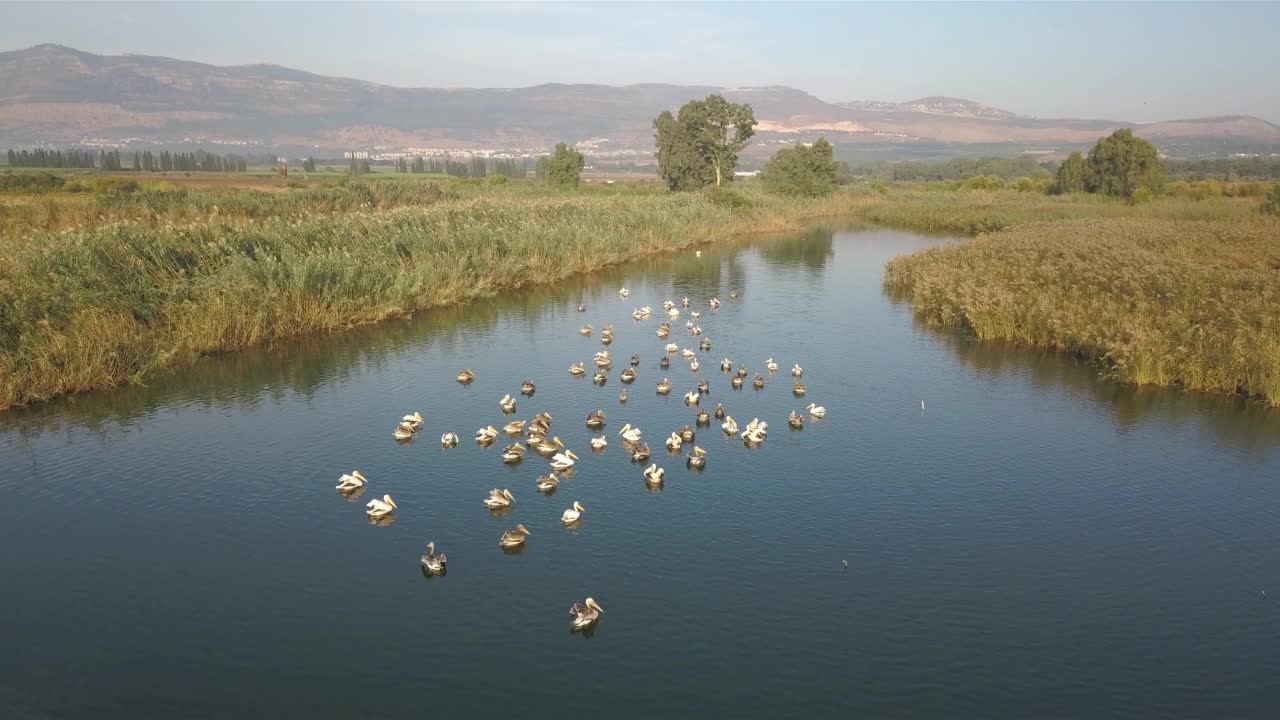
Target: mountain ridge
{"points": [[52, 94]]}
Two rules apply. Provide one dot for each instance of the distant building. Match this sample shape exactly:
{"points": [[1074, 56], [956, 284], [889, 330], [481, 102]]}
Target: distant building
{"points": [[746, 173]]}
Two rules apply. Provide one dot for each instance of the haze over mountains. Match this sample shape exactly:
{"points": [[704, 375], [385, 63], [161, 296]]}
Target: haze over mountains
{"points": [[54, 95]]}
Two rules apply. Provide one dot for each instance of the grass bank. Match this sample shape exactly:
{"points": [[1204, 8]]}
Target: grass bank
{"points": [[1152, 295], [117, 286]]}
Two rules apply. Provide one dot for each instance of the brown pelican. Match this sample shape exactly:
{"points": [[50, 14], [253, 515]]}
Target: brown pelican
{"points": [[733, 295], [686, 434], [719, 411], [798, 389], [758, 382], [795, 420], [664, 330], [513, 454], [742, 371], [665, 362], [466, 376], [595, 420], [600, 378], [817, 410], [499, 499], [684, 303], [704, 387], [547, 483], [725, 365], [380, 508], [692, 398], [736, 382], [573, 514], [513, 538], [640, 454], [515, 427], [547, 448], [628, 375], [433, 564], [402, 433], [635, 360], [527, 388], [585, 615], [351, 483]]}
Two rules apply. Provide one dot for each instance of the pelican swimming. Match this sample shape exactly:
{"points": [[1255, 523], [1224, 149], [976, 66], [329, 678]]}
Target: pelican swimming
{"points": [[733, 294], [380, 508], [412, 423], [513, 538], [692, 398], [640, 453], [508, 404], [798, 390], [674, 442], [664, 330], [664, 362], [573, 514], [653, 474], [641, 313], [705, 345], [547, 483], [695, 314], [736, 382], [515, 427], [466, 376], [547, 448], [697, 459], [695, 330], [758, 382], [402, 433], [817, 410], [433, 564], [527, 388], [600, 378], [512, 454], [449, 439], [719, 411], [599, 443], [797, 371], [672, 348], [693, 366], [667, 304], [770, 365], [673, 313], [603, 360], [630, 434], [685, 302], [577, 369], [499, 499], [486, 434], [688, 325], [595, 420], [795, 420], [628, 375], [540, 424], [584, 330], [687, 354], [714, 303], [686, 434], [729, 426], [624, 292], [622, 395], [664, 386], [704, 387], [582, 308], [349, 483], [635, 360], [703, 417], [741, 372], [726, 365], [563, 461], [585, 615]]}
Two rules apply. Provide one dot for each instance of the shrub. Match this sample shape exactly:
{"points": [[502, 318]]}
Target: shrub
{"points": [[729, 199], [497, 180], [806, 170], [1271, 206], [984, 182]]}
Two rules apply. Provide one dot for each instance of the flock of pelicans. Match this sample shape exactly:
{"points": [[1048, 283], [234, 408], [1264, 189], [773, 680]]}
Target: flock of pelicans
{"points": [[537, 435]]}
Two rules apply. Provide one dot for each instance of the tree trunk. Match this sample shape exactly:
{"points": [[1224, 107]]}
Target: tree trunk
{"points": [[717, 174]]}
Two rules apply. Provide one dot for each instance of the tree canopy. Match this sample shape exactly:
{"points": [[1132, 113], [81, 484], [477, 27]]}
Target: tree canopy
{"points": [[807, 170], [564, 168], [700, 145], [1123, 165], [1072, 175]]}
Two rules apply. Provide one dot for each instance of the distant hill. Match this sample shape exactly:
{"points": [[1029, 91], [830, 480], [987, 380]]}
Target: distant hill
{"points": [[51, 94]]}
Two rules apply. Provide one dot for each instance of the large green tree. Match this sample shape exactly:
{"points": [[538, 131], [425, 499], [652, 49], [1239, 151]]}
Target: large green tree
{"points": [[1122, 165], [1072, 175], [565, 166], [807, 170], [700, 145]]}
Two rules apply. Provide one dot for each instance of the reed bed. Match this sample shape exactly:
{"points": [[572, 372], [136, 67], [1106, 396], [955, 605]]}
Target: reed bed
{"points": [[1189, 303], [163, 278]]}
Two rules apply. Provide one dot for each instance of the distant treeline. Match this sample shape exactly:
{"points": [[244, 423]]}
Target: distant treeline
{"points": [[1237, 168], [198, 161], [475, 167], [953, 169]]}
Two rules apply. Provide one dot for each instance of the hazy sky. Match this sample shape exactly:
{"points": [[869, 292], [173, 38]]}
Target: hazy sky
{"points": [[1130, 61]]}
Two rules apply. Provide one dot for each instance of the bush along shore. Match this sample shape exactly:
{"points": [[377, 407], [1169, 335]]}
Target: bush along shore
{"points": [[109, 302], [1189, 303]]}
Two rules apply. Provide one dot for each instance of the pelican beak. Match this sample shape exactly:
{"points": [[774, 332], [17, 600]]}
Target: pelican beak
{"points": [[356, 473], [431, 547], [492, 430], [570, 454], [556, 440], [594, 604], [391, 502], [578, 506]]}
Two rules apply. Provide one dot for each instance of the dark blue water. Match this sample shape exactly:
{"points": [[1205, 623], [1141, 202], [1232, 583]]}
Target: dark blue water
{"points": [[1036, 543]]}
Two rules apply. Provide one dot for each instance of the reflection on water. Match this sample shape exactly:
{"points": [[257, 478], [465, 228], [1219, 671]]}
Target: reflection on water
{"points": [[1251, 426]]}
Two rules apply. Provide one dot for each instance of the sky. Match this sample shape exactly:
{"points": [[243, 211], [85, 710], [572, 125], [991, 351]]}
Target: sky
{"points": [[1138, 62]]}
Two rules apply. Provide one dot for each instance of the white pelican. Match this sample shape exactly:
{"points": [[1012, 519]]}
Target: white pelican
{"points": [[726, 365], [674, 442], [673, 313], [684, 302], [667, 304], [507, 403], [513, 538], [585, 330], [693, 365], [515, 427], [599, 443], [695, 314], [817, 410], [499, 499], [697, 459], [770, 365], [664, 386], [603, 359], [585, 615], [412, 423], [577, 369], [672, 348], [547, 483], [486, 434], [449, 439], [573, 514], [624, 292], [692, 398], [687, 354], [381, 508], [797, 371], [527, 387], [563, 461], [630, 434], [729, 426], [354, 481], [653, 474], [401, 433], [466, 376], [714, 303]]}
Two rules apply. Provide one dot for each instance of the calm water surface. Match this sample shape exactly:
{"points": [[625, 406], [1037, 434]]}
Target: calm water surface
{"points": [[1036, 543]]}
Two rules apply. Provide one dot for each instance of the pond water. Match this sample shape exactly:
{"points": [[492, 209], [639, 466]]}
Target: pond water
{"points": [[1036, 542]]}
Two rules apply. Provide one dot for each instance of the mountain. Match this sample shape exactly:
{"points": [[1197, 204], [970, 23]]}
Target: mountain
{"points": [[50, 94]]}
